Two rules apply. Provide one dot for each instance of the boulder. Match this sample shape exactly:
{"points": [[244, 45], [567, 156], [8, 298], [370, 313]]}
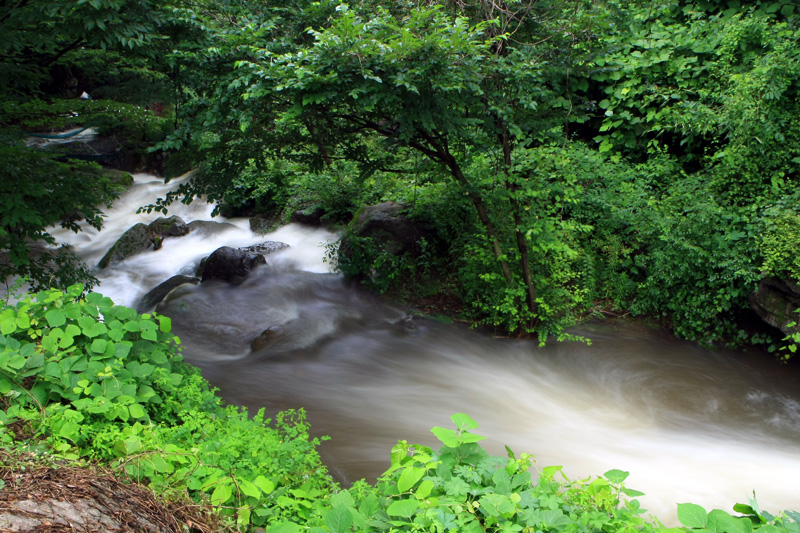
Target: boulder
{"points": [[142, 237], [308, 217], [210, 227], [230, 264], [154, 297], [260, 225], [776, 301], [266, 247], [118, 177], [387, 226], [173, 226]]}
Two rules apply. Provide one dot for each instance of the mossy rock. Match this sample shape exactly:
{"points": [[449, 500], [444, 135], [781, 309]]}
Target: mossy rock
{"points": [[142, 236], [118, 177]]}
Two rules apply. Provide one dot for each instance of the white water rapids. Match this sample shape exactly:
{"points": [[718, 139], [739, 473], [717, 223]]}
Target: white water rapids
{"points": [[690, 424]]}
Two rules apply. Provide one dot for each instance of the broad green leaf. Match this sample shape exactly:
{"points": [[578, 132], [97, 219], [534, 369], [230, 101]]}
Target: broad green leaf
{"points": [[283, 527], [409, 478], [243, 519], [221, 493], [23, 320], [424, 489], [468, 437], [692, 515], [463, 421], [137, 411], [249, 488], [264, 484], [164, 324], [56, 318], [447, 436], [338, 519], [403, 508], [99, 346], [616, 476]]}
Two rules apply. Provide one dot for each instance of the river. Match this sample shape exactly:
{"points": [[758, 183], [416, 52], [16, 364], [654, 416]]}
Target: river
{"points": [[690, 424]]}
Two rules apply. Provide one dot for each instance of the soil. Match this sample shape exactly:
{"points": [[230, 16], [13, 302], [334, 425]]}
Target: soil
{"points": [[44, 496]]}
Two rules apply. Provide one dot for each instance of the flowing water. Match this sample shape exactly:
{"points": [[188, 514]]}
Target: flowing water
{"points": [[690, 424]]}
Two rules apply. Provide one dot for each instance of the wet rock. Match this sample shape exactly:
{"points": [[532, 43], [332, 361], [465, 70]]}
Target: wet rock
{"points": [[387, 227], [776, 301], [230, 264], [209, 227], [173, 226], [261, 225], [266, 247], [308, 217], [266, 338], [142, 237], [118, 177], [154, 297]]}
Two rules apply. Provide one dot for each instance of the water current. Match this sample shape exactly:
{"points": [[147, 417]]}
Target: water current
{"points": [[690, 424]]}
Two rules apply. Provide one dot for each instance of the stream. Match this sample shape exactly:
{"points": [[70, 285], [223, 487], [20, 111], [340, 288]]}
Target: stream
{"points": [[690, 424]]}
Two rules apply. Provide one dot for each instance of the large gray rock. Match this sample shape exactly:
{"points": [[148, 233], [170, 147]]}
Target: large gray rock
{"points": [[173, 226], [230, 264], [388, 227], [266, 247], [309, 216], [261, 225], [154, 297], [776, 301], [210, 227], [144, 236]]}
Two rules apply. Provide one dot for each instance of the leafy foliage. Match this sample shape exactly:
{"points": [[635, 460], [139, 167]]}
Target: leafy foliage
{"points": [[95, 380]]}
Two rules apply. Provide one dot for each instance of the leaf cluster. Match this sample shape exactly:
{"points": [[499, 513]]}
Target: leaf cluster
{"points": [[93, 380]]}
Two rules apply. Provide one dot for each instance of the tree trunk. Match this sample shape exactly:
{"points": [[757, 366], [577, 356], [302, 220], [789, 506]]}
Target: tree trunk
{"points": [[516, 212]]}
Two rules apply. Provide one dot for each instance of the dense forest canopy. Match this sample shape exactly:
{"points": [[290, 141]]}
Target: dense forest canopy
{"points": [[567, 158]]}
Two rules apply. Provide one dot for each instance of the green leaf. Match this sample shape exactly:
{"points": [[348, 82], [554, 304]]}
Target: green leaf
{"points": [[284, 527], [692, 515], [137, 411], [616, 476], [338, 519], [264, 484], [56, 318], [221, 493], [409, 478], [403, 508], [447, 436], [463, 421], [424, 489], [249, 488], [99, 346], [164, 324], [468, 437]]}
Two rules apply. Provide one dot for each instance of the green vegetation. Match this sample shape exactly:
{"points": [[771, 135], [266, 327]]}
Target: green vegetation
{"points": [[91, 380]]}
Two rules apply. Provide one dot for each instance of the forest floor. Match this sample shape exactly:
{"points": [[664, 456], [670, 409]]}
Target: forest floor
{"points": [[39, 494]]}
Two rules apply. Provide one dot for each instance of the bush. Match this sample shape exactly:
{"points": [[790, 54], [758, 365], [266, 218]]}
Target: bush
{"points": [[94, 380]]}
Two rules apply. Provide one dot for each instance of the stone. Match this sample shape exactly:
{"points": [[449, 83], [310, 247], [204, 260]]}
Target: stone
{"points": [[308, 217], [150, 300], [266, 247], [387, 226], [141, 237], [261, 225], [230, 264], [776, 301], [210, 227]]}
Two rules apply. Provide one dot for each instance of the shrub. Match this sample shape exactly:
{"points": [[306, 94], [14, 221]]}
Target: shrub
{"points": [[95, 380]]}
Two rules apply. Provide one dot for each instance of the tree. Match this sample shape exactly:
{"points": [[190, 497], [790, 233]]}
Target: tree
{"points": [[471, 95]]}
